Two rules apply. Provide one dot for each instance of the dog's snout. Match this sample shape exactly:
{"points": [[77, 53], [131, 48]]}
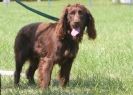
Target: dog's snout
{"points": [[76, 19], [76, 23]]}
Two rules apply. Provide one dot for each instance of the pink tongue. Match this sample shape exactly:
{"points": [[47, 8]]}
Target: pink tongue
{"points": [[75, 32]]}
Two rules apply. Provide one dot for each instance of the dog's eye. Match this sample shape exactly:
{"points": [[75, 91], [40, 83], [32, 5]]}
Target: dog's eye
{"points": [[80, 12], [72, 12]]}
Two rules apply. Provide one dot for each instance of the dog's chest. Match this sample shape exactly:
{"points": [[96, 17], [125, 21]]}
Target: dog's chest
{"points": [[66, 49]]}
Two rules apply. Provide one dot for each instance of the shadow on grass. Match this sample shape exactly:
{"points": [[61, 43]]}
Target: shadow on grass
{"points": [[91, 85], [94, 85], [98, 81]]}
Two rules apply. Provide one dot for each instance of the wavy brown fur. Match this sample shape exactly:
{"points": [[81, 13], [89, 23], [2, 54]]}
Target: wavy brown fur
{"points": [[44, 45]]}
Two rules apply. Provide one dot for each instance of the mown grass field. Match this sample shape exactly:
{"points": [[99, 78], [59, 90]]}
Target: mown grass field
{"points": [[102, 67]]}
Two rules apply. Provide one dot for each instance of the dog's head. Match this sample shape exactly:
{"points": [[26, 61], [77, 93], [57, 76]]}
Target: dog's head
{"points": [[75, 18]]}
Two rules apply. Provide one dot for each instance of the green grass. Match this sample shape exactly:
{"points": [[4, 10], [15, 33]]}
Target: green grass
{"points": [[102, 67]]}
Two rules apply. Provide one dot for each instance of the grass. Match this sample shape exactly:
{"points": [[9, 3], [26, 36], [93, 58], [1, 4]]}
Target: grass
{"points": [[102, 67]]}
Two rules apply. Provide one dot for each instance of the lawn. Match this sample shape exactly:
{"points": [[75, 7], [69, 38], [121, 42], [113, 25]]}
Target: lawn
{"points": [[102, 67]]}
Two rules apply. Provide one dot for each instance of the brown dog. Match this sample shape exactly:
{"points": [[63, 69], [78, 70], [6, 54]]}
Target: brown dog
{"points": [[47, 44]]}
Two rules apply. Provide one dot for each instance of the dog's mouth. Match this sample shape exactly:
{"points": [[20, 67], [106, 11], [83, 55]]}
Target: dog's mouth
{"points": [[75, 31]]}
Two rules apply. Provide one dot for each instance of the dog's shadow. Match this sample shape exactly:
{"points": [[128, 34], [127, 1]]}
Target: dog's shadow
{"points": [[94, 83], [105, 84]]}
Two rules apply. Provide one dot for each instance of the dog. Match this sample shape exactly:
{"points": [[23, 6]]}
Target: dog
{"points": [[47, 44]]}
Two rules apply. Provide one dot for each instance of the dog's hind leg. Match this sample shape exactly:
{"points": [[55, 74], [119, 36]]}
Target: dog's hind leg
{"points": [[19, 60], [31, 70]]}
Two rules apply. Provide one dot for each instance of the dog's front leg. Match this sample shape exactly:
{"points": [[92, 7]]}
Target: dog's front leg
{"points": [[45, 69], [64, 72]]}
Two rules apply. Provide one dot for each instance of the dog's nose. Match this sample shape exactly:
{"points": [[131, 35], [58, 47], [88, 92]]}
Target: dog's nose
{"points": [[76, 23], [76, 19]]}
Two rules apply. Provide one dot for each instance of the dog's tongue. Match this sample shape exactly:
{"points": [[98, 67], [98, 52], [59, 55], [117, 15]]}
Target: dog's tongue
{"points": [[75, 32]]}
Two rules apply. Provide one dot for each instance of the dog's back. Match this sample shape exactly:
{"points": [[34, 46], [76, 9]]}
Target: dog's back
{"points": [[24, 37]]}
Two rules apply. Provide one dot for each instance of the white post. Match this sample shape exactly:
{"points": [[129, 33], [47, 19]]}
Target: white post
{"points": [[116, 1], [38, 0], [6, 1], [127, 1]]}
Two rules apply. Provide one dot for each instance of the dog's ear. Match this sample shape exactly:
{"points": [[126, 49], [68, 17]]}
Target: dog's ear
{"points": [[62, 26], [63, 20], [90, 23]]}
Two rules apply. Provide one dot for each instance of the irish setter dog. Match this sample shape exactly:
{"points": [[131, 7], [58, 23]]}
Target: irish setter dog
{"points": [[46, 44]]}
